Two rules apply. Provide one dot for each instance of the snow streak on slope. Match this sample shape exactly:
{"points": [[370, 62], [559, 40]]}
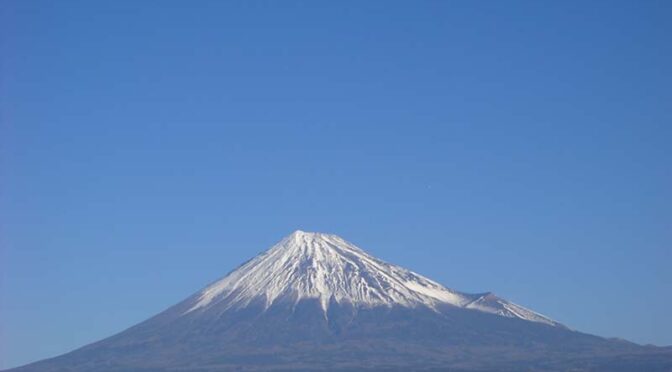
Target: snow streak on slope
{"points": [[490, 303], [327, 268]]}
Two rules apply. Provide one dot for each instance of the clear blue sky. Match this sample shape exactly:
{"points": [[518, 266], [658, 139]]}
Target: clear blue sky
{"points": [[147, 148]]}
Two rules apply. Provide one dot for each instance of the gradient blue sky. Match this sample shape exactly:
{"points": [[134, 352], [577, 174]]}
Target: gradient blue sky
{"points": [[147, 148]]}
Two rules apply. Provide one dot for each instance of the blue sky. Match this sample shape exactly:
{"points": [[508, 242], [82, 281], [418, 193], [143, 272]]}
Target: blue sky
{"points": [[147, 148]]}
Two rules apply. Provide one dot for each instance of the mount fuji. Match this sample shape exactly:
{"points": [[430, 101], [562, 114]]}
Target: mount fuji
{"points": [[317, 302]]}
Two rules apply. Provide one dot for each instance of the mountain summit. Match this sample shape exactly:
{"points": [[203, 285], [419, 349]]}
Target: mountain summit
{"points": [[329, 269], [317, 302]]}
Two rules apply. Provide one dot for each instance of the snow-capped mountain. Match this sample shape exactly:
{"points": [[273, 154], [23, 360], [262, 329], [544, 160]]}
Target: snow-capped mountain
{"points": [[327, 268], [316, 302]]}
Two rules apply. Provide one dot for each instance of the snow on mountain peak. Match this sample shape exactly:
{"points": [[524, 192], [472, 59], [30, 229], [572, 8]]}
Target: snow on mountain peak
{"points": [[325, 267]]}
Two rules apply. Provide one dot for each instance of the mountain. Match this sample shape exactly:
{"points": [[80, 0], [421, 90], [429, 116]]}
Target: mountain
{"points": [[317, 302]]}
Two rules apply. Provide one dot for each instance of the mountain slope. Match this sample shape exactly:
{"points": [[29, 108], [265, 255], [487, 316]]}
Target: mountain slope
{"points": [[316, 302]]}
